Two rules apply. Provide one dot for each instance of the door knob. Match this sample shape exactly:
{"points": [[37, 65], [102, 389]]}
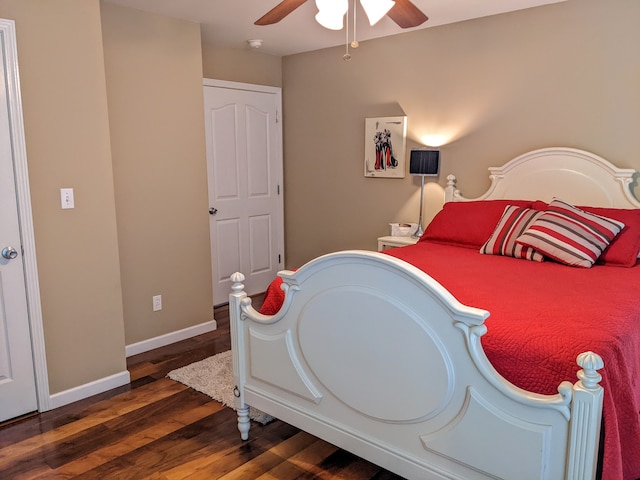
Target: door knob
{"points": [[213, 211], [9, 253]]}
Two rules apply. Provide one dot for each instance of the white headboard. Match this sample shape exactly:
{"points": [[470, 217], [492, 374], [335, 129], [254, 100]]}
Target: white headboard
{"points": [[575, 176]]}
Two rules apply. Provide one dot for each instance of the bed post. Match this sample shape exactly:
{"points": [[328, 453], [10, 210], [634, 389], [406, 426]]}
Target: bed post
{"points": [[236, 298], [586, 416], [450, 191]]}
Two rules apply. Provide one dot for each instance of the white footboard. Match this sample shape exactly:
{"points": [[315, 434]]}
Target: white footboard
{"points": [[373, 355]]}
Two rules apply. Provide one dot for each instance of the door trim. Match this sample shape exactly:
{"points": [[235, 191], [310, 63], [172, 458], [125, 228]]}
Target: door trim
{"points": [[14, 100], [210, 82]]}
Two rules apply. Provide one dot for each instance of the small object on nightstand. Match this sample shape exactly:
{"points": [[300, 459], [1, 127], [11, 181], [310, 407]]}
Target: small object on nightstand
{"points": [[403, 229], [391, 241]]}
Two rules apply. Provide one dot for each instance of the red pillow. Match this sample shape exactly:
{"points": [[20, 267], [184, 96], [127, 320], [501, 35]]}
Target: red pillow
{"points": [[468, 224], [623, 250], [274, 297], [539, 205]]}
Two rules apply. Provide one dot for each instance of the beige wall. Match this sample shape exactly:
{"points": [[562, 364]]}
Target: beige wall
{"points": [[493, 88], [246, 66], [67, 133], [154, 84]]}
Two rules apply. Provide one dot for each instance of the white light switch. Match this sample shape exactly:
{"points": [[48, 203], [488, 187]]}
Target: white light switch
{"points": [[66, 198]]}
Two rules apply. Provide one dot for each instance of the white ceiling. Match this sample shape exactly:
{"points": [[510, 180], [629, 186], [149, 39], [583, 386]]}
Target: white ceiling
{"points": [[230, 22]]}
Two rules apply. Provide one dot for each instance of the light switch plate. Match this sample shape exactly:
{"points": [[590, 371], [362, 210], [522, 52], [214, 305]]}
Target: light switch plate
{"points": [[66, 198]]}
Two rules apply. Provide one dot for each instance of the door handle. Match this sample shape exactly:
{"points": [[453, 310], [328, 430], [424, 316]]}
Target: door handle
{"points": [[213, 211], [9, 253]]}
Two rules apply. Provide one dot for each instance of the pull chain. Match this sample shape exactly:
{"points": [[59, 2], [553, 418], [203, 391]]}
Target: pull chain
{"points": [[347, 56], [355, 43]]}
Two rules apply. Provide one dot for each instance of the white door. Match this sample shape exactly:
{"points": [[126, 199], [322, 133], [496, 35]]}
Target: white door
{"points": [[244, 165], [17, 380]]}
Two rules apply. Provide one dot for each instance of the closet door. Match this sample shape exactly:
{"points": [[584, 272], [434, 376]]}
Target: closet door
{"points": [[244, 165]]}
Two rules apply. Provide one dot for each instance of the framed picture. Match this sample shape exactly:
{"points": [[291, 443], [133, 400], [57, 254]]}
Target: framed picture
{"points": [[384, 147]]}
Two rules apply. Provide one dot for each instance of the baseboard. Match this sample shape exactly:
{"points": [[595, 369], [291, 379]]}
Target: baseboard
{"points": [[123, 378], [89, 389], [169, 338]]}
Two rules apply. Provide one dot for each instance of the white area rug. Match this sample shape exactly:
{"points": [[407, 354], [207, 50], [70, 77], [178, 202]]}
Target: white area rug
{"points": [[213, 376]]}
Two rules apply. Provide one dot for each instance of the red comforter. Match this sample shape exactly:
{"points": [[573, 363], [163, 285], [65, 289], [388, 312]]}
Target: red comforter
{"points": [[542, 316]]}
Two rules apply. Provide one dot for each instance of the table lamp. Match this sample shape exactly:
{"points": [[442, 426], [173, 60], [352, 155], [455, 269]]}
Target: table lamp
{"points": [[425, 163]]}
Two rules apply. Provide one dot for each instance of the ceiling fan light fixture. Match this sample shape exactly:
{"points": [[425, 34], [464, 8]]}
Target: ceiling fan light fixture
{"points": [[332, 22], [331, 13], [376, 9]]}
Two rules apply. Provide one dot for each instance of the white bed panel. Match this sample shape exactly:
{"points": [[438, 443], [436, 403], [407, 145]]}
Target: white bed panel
{"points": [[575, 176]]}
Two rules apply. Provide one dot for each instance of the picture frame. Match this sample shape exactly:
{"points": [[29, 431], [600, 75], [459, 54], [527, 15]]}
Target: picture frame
{"points": [[385, 146]]}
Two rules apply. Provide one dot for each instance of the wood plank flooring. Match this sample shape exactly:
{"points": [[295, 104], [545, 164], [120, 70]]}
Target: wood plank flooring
{"points": [[159, 429]]}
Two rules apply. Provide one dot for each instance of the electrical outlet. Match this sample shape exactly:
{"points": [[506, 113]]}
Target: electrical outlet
{"points": [[157, 303]]}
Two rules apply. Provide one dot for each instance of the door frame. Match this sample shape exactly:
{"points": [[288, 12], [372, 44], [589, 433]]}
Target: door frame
{"points": [[277, 92], [27, 235]]}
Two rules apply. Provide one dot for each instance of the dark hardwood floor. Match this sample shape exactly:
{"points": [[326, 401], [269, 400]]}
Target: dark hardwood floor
{"points": [[159, 429]]}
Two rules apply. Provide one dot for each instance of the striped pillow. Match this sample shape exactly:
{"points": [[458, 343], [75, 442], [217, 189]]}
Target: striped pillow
{"points": [[570, 235], [514, 221]]}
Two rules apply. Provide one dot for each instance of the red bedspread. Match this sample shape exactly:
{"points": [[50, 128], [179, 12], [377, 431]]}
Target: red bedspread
{"points": [[542, 316]]}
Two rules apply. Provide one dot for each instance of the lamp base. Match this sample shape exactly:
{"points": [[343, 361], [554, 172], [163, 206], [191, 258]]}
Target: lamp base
{"points": [[419, 231]]}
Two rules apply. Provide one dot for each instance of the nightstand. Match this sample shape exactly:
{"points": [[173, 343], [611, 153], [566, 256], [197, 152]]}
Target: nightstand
{"points": [[385, 243]]}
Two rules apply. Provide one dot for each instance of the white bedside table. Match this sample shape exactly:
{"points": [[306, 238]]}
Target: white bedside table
{"points": [[387, 242]]}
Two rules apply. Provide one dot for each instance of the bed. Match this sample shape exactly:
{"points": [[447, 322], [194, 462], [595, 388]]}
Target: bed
{"points": [[470, 370]]}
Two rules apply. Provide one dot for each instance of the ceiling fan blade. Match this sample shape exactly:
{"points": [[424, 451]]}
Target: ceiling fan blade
{"points": [[406, 14], [278, 12]]}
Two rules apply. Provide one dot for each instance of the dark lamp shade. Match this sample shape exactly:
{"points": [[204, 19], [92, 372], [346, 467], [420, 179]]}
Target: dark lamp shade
{"points": [[424, 162]]}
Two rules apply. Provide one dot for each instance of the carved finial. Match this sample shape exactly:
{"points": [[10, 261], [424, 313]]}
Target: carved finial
{"points": [[590, 363], [451, 193], [451, 180], [237, 279]]}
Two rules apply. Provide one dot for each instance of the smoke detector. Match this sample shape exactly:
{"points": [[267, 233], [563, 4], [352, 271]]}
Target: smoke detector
{"points": [[255, 43]]}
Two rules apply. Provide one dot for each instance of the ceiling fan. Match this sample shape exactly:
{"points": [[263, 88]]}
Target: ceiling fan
{"points": [[403, 12]]}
